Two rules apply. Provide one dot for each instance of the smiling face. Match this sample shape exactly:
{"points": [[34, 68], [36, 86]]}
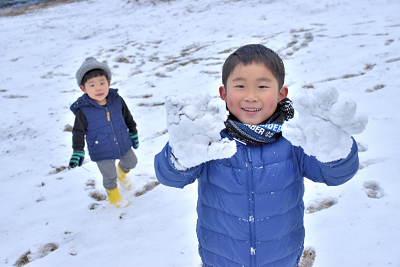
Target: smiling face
{"points": [[252, 93], [97, 88]]}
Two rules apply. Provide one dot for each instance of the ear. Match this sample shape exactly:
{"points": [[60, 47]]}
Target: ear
{"points": [[222, 93], [283, 93], [109, 83], [83, 88]]}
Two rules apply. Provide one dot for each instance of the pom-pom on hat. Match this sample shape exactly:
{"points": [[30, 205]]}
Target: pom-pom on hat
{"points": [[89, 64]]}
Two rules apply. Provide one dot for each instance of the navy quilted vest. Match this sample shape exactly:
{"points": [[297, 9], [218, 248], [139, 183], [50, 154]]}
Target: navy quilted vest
{"points": [[107, 135]]}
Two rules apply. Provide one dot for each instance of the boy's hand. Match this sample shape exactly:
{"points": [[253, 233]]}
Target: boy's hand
{"points": [[135, 140], [76, 159], [324, 125], [194, 126]]}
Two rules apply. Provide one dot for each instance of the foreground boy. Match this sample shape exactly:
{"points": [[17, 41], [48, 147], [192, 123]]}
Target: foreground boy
{"points": [[250, 206], [102, 115]]}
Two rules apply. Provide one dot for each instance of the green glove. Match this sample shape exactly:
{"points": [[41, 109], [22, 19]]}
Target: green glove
{"points": [[77, 158], [135, 140]]}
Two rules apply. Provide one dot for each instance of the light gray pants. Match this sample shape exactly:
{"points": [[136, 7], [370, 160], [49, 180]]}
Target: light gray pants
{"points": [[109, 170]]}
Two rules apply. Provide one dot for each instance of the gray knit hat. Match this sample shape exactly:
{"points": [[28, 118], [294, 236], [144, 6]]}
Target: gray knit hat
{"points": [[89, 64]]}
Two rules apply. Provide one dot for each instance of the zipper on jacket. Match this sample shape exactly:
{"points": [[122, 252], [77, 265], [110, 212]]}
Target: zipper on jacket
{"points": [[250, 183], [112, 128]]}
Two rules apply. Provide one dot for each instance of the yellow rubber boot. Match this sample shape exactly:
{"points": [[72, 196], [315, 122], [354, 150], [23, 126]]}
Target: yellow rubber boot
{"points": [[123, 180], [115, 198]]}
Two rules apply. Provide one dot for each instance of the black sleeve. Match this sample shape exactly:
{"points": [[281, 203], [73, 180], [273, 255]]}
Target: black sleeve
{"points": [[128, 117], [79, 131]]}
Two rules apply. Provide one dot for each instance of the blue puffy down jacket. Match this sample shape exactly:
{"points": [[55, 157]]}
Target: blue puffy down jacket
{"points": [[250, 207]]}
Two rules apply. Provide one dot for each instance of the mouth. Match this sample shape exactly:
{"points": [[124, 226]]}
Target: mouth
{"points": [[99, 94], [251, 109]]}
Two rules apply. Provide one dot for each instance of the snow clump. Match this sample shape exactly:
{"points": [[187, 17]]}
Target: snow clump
{"points": [[194, 124], [324, 125]]}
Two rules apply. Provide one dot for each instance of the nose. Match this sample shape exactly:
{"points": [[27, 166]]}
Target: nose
{"points": [[251, 95]]}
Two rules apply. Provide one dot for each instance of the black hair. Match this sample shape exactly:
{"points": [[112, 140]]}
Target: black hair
{"points": [[254, 53], [93, 73]]}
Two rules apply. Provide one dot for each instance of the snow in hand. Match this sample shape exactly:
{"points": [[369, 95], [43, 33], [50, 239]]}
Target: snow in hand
{"points": [[324, 125], [194, 125]]}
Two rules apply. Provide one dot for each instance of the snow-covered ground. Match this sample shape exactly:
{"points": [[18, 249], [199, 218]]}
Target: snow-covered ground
{"points": [[50, 215]]}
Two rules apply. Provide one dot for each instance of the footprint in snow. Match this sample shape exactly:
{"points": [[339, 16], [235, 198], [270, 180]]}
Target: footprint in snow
{"points": [[97, 195], [373, 189], [94, 206], [320, 204], [90, 184], [301, 39], [36, 253], [375, 88], [388, 42], [73, 253], [369, 162], [362, 147], [308, 258], [150, 185]]}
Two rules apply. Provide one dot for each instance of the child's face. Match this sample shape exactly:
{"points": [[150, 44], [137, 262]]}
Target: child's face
{"points": [[252, 93], [97, 89]]}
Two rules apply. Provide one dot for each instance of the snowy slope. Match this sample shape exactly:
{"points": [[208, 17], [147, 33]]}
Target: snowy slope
{"points": [[161, 48]]}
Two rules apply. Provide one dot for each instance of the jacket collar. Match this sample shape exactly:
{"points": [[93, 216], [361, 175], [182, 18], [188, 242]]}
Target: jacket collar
{"points": [[85, 101]]}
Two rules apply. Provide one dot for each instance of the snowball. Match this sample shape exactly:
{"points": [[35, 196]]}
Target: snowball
{"points": [[194, 124], [324, 128]]}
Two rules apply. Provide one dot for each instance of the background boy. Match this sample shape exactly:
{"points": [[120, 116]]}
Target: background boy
{"points": [[250, 207], [103, 116]]}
